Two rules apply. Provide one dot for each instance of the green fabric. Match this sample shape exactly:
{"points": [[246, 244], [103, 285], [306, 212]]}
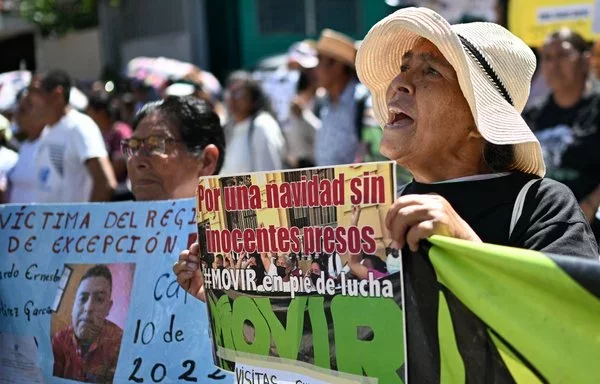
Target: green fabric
{"points": [[530, 301], [518, 370], [451, 364]]}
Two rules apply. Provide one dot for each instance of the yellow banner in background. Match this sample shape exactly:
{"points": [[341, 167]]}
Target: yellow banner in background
{"points": [[533, 20]]}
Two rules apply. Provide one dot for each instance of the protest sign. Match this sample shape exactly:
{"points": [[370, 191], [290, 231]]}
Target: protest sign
{"points": [[457, 11], [296, 274], [534, 20], [71, 275], [486, 313]]}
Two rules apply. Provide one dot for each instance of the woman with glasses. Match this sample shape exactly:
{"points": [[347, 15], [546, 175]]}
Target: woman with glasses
{"points": [[175, 141]]}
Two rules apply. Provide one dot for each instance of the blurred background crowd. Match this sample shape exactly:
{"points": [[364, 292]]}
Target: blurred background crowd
{"points": [[279, 74]]}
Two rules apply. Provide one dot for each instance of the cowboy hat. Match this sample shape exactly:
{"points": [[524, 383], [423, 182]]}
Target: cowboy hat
{"points": [[494, 70], [338, 46]]}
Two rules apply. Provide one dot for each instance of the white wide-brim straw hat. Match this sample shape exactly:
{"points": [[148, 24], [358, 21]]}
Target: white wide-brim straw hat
{"points": [[493, 66]]}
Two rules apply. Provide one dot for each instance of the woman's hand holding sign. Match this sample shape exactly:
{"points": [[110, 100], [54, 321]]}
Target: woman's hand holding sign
{"points": [[413, 218], [189, 274]]}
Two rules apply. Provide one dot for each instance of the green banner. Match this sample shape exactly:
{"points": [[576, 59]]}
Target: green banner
{"points": [[485, 313], [355, 335]]}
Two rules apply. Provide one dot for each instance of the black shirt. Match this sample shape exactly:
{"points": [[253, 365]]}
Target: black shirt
{"points": [[551, 220], [570, 140]]}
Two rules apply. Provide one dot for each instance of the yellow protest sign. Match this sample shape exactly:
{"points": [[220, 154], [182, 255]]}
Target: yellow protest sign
{"points": [[533, 20]]}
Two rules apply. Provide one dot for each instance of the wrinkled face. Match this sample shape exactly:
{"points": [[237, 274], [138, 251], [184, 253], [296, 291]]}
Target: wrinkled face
{"points": [[429, 118], [161, 176], [562, 65], [91, 307]]}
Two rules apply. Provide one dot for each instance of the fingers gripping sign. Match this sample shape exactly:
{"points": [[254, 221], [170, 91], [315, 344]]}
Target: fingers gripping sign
{"points": [[188, 272], [413, 218]]}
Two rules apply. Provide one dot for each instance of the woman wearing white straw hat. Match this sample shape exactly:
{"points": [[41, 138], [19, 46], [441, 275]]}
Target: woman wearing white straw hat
{"points": [[449, 99]]}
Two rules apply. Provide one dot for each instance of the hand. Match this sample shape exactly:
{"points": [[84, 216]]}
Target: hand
{"points": [[241, 259], [249, 263], [588, 210], [189, 275], [297, 105], [355, 215], [413, 218]]}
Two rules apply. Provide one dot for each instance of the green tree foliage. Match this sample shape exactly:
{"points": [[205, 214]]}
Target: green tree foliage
{"points": [[61, 16]]}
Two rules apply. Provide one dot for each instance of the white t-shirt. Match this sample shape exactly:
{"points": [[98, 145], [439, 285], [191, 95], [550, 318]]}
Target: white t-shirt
{"points": [[62, 176], [8, 159], [272, 269], [23, 180], [267, 146], [300, 133]]}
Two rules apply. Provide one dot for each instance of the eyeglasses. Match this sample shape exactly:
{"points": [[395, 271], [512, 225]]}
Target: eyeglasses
{"points": [[152, 145]]}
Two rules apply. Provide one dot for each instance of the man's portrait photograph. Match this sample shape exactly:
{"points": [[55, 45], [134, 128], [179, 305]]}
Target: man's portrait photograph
{"points": [[87, 327]]}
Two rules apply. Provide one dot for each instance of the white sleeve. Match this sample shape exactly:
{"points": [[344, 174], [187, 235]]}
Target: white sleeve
{"points": [[272, 269], [267, 145], [8, 160], [87, 140], [311, 120]]}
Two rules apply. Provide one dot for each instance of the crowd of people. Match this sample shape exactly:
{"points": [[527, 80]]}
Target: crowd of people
{"points": [[153, 143], [451, 100], [489, 164], [56, 145]]}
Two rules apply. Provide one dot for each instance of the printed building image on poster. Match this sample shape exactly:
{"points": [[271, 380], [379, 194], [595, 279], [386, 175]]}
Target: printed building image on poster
{"points": [[300, 280]]}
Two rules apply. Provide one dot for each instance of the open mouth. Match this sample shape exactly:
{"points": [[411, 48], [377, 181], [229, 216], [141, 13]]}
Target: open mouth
{"points": [[399, 120]]}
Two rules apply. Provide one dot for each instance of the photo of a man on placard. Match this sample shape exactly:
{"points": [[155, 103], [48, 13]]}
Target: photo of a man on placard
{"points": [[88, 348]]}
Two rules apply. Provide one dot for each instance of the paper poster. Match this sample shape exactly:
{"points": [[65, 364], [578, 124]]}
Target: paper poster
{"points": [[96, 281], [534, 20], [301, 283]]}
